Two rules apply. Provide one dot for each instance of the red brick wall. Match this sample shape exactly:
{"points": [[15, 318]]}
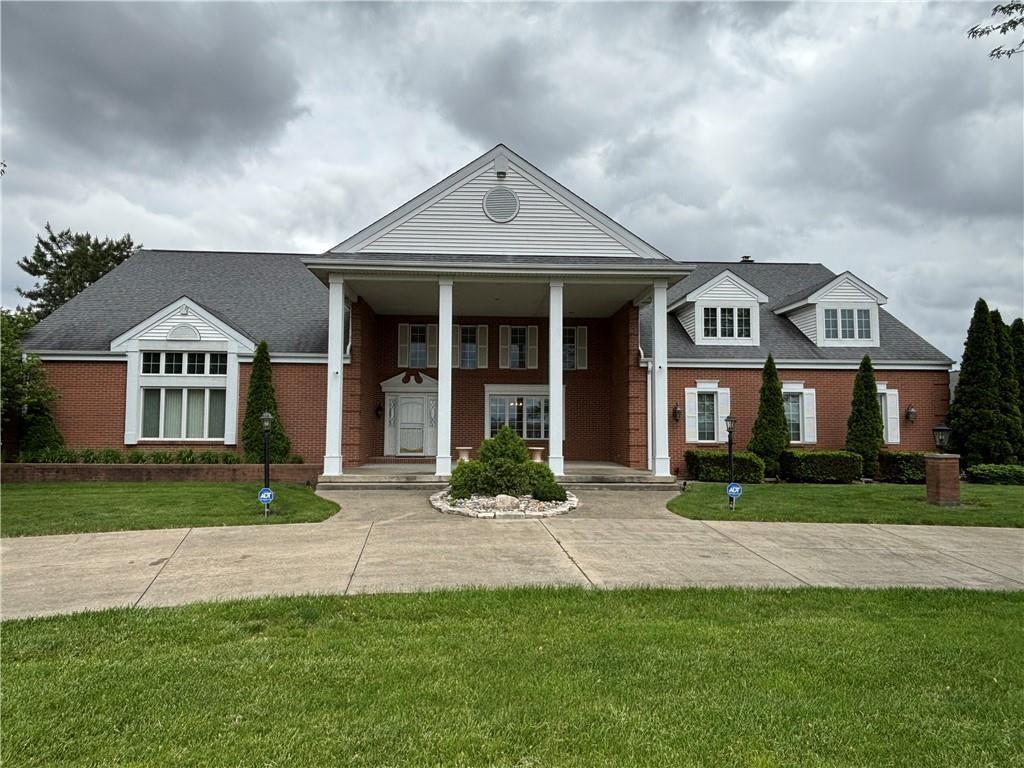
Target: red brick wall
{"points": [[927, 391], [89, 410], [301, 390]]}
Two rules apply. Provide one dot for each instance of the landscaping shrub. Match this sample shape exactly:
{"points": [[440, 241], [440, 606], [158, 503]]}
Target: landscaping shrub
{"points": [[505, 446], [864, 429], [820, 466], [159, 457], [208, 457], [293, 459], [466, 478], [135, 456], [713, 466], [40, 431], [230, 458], [185, 456], [900, 467], [49, 456], [996, 474], [549, 490], [89, 456], [260, 398], [770, 435], [504, 466], [111, 456]]}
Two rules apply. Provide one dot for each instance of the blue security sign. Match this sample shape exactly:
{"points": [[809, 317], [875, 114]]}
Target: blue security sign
{"points": [[734, 490], [265, 496]]}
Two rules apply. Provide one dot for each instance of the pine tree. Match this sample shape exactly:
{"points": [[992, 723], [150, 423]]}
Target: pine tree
{"points": [[974, 412], [771, 434], [1017, 342], [261, 398], [1008, 450], [864, 429]]}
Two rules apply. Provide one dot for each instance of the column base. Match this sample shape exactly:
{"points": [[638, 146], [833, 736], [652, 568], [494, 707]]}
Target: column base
{"points": [[661, 467], [942, 479], [332, 465], [443, 467], [557, 465]]}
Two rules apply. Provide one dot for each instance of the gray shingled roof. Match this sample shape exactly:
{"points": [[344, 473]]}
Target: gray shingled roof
{"points": [[270, 296], [778, 334], [510, 260]]}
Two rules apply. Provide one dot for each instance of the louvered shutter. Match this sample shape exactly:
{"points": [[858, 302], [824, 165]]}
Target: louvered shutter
{"points": [[810, 416], [456, 347], [403, 345], [432, 345], [531, 346], [691, 415], [892, 416], [724, 409], [481, 346], [503, 339], [581, 348]]}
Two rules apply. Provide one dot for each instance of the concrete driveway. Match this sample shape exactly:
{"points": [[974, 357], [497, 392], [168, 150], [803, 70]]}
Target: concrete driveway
{"points": [[389, 541]]}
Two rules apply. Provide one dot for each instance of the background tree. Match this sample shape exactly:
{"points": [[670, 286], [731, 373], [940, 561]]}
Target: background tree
{"points": [[864, 429], [1010, 16], [68, 263], [771, 434], [1011, 446], [1017, 342], [974, 413], [25, 396], [262, 398]]}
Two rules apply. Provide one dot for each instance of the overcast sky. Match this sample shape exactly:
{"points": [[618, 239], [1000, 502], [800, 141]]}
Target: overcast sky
{"points": [[871, 137]]}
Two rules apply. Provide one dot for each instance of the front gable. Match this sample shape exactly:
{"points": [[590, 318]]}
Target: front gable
{"points": [[726, 286], [847, 287], [499, 204], [182, 323]]}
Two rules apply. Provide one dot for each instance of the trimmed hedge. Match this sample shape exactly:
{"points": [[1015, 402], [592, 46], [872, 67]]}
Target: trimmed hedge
{"points": [[996, 474], [134, 456], [504, 466], [713, 466], [900, 467], [820, 466]]}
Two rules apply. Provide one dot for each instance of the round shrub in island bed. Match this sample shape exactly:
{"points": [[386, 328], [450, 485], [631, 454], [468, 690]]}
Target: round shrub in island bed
{"points": [[996, 474], [900, 467], [820, 466], [713, 466]]}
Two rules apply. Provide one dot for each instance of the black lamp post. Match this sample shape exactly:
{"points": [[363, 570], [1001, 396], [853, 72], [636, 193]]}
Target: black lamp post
{"points": [[941, 433], [730, 425], [267, 418]]}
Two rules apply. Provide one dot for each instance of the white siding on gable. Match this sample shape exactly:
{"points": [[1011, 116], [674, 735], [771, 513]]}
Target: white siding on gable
{"points": [[686, 317], [456, 223], [171, 328], [806, 320], [846, 290], [727, 290]]}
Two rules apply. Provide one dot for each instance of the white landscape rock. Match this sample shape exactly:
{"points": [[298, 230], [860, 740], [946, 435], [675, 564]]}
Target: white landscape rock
{"points": [[502, 506]]}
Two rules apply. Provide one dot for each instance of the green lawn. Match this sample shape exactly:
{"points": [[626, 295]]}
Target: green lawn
{"points": [[995, 505], [35, 509], [808, 677]]}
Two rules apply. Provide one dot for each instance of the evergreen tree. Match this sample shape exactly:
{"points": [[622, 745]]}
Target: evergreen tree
{"points": [[1017, 342], [261, 398], [25, 395], [68, 263], [864, 429], [1009, 449], [974, 413], [771, 434]]}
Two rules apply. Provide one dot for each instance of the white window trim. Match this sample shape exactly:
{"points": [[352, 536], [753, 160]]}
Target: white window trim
{"points": [[727, 341], [516, 390], [808, 412], [723, 407], [891, 417], [841, 342]]}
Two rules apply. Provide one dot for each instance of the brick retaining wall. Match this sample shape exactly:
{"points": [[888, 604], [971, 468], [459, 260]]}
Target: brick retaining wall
{"points": [[159, 473]]}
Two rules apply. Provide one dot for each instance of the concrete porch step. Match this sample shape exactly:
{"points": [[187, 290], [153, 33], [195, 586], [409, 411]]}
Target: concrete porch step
{"points": [[616, 486], [372, 485]]}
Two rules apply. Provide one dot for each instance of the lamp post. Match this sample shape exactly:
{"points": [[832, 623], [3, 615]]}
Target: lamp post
{"points": [[267, 418], [730, 425], [942, 470]]}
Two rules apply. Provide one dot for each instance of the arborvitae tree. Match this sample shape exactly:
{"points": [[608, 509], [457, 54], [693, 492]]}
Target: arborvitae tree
{"points": [[1017, 342], [864, 429], [974, 414], [261, 398], [771, 435], [1009, 449]]}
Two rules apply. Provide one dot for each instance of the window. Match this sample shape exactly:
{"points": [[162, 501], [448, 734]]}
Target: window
{"points": [[727, 324], [710, 322], [863, 323], [174, 413], [417, 346], [172, 362], [743, 323], [831, 323], [792, 403], [218, 364], [196, 364], [151, 362], [527, 415], [889, 406], [707, 421], [569, 349], [517, 346], [846, 323], [467, 346]]}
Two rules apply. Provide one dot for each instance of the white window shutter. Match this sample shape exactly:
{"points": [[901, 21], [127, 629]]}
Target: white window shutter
{"points": [[724, 409], [481, 346], [456, 346], [691, 415], [810, 416], [432, 345], [503, 340], [403, 345], [532, 336], [892, 416], [581, 347]]}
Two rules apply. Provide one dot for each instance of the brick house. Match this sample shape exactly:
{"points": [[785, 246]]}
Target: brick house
{"points": [[495, 297]]}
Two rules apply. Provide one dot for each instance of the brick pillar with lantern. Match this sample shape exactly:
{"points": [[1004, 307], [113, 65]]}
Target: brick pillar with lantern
{"points": [[942, 471]]}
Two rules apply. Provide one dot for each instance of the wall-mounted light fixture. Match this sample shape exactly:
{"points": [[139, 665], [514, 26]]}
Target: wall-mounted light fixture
{"points": [[378, 411], [911, 414], [677, 412]]}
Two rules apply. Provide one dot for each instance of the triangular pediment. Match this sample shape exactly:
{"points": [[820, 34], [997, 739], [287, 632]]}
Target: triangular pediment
{"points": [[409, 381], [847, 287], [183, 321], [726, 286], [499, 204]]}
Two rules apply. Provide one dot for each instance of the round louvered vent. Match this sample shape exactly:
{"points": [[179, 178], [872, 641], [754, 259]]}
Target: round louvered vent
{"points": [[501, 204]]}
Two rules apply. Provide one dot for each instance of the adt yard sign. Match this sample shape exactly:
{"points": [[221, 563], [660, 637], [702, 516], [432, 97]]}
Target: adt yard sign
{"points": [[734, 490], [265, 496]]}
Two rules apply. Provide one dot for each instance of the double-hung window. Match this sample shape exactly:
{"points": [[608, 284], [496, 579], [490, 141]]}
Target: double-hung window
{"points": [[726, 322], [831, 323], [467, 346], [743, 322], [174, 409], [792, 403], [849, 324], [417, 346], [707, 416], [799, 406], [710, 322], [707, 405], [517, 346], [863, 323], [846, 323], [569, 349]]}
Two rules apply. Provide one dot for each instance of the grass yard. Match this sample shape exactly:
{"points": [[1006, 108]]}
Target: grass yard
{"points": [[993, 505], [807, 677], [36, 509]]}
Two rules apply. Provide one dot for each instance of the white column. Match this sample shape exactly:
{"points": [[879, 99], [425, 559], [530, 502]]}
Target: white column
{"points": [[659, 310], [444, 378], [335, 372], [555, 405]]}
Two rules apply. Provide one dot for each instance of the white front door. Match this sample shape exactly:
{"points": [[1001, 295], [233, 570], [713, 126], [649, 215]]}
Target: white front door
{"points": [[411, 425]]}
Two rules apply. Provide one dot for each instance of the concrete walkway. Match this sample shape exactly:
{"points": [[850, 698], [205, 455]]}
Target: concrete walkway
{"points": [[388, 541]]}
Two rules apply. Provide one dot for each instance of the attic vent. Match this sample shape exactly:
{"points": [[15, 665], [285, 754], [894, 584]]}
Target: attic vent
{"points": [[501, 204], [183, 332]]}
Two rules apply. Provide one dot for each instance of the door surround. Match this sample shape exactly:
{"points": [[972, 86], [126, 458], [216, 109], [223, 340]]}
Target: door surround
{"points": [[410, 393]]}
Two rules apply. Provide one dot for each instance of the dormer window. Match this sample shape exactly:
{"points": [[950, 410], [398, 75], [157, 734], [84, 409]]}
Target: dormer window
{"points": [[724, 311], [850, 325], [727, 323]]}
